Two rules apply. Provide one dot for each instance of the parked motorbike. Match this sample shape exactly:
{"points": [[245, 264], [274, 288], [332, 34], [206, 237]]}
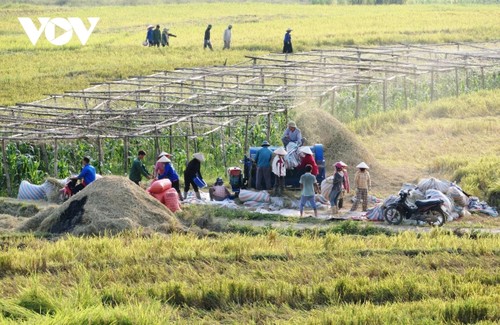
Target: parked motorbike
{"points": [[429, 211]]}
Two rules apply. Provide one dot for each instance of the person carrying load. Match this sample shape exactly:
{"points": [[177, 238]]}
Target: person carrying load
{"points": [[193, 170]]}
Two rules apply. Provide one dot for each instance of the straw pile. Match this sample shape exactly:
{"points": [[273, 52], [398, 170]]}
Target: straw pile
{"points": [[108, 205], [339, 143]]}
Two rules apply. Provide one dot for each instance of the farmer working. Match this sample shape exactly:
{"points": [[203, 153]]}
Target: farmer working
{"points": [[219, 192], [170, 173], [363, 183], [165, 36], [292, 134], [138, 169], [193, 170], [157, 36], [263, 160], [307, 157], [87, 176]]}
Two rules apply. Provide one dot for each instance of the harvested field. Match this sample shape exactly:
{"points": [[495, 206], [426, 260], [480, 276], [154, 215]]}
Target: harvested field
{"points": [[109, 205]]}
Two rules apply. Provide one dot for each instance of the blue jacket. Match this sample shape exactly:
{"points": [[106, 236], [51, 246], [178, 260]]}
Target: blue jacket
{"points": [[149, 35], [169, 173], [263, 157], [88, 174], [288, 38]]}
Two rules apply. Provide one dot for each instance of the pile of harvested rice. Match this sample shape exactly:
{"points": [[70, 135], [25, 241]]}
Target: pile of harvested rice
{"points": [[109, 205]]}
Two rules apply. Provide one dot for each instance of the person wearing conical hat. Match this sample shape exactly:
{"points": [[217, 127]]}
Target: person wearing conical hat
{"points": [[279, 170], [160, 166], [149, 35], [307, 158], [287, 42], [292, 134], [263, 170], [362, 182], [170, 173], [193, 169]]}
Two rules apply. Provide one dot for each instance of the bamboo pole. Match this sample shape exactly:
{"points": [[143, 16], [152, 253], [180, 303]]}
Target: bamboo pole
{"points": [[125, 155], [6, 168], [100, 154], [245, 146], [56, 171], [457, 90], [356, 112]]}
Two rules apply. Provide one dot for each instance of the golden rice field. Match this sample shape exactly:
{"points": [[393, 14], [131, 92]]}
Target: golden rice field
{"points": [[114, 50]]}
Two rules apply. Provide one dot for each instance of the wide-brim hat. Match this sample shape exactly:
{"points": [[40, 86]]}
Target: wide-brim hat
{"points": [[280, 151], [265, 144], [163, 153], [362, 165], [163, 159], [338, 165], [166, 29], [306, 150], [292, 124], [150, 26], [289, 29], [199, 156]]}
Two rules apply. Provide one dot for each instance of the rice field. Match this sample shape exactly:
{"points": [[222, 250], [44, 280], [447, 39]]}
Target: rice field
{"points": [[408, 278], [114, 49]]}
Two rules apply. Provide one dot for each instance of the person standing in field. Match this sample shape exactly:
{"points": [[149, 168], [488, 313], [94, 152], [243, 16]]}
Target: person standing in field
{"points": [[193, 170], [138, 169], [165, 36], [362, 182], [149, 35], [263, 161], [279, 170], [287, 42], [157, 36], [227, 38], [308, 188], [346, 187], [206, 40], [338, 180], [159, 166]]}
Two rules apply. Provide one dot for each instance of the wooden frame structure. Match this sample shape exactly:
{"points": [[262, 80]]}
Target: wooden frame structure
{"points": [[207, 100]]}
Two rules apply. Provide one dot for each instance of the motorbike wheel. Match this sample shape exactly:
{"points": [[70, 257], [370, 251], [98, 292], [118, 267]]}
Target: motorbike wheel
{"points": [[393, 216], [437, 215]]}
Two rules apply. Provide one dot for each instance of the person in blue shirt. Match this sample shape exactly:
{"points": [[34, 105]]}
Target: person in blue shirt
{"points": [[263, 161], [150, 36], [170, 173], [87, 176], [292, 134], [287, 42]]}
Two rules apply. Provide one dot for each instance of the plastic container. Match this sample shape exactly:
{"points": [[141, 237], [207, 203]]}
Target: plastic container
{"points": [[199, 182]]}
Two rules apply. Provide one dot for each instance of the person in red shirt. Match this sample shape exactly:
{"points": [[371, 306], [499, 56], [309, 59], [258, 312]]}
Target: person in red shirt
{"points": [[308, 159]]}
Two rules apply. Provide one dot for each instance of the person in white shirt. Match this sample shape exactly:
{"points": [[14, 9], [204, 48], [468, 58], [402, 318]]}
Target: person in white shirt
{"points": [[227, 37], [279, 171]]}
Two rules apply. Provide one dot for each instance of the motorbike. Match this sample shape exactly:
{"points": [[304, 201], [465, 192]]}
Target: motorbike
{"points": [[429, 211]]}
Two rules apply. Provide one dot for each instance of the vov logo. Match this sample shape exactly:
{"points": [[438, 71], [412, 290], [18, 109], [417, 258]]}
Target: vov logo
{"points": [[70, 25]]}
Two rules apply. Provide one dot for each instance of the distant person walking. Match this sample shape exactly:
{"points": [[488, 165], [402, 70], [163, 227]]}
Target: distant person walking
{"points": [[287, 42], [165, 36], [138, 169], [227, 38], [206, 41], [149, 36], [157, 36], [263, 160]]}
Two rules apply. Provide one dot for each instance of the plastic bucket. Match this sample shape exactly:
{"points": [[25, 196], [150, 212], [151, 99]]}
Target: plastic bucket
{"points": [[199, 182]]}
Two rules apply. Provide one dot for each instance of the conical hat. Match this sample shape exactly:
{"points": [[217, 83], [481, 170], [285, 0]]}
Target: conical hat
{"points": [[163, 153], [306, 150], [343, 164], [199, 156], [363, 165], [163, 159], [280, 151]]}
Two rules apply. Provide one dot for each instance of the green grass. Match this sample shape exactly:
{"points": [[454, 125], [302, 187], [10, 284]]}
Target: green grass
{"points": [[114, 50], [133, 279]]}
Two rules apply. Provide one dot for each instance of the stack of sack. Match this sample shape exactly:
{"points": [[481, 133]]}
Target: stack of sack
{"points": [[162, 191], [254, 199]]}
